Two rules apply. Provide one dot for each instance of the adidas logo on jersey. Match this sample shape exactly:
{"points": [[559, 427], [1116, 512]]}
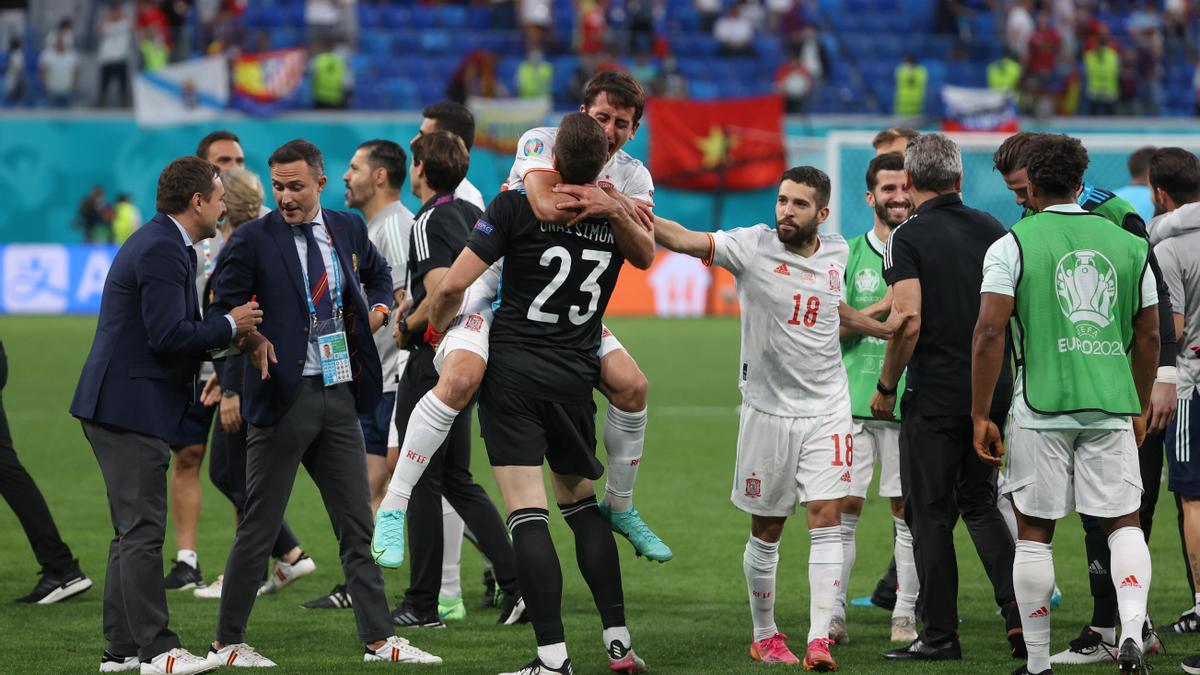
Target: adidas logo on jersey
{"points": [[1039, 613], [1131, 581], [782, 269]]}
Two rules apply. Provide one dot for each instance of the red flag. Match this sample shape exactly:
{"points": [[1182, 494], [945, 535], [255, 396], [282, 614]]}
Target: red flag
{"points": [[735, 144]]}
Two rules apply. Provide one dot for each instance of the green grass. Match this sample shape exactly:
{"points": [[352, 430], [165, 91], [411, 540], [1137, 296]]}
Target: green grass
{"points": [[687, 616]]}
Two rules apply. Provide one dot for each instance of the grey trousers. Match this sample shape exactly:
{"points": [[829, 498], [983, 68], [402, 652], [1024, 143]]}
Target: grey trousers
{"points": [[320, 430], [134, 467]]}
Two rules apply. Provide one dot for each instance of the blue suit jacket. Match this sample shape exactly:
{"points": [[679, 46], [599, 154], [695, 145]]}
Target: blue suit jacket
{"points": [[150, 339], [260, 260]]}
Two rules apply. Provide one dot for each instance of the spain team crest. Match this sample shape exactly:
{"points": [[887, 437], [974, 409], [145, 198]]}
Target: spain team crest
{"points": [[835, 280], [474, 322], [753, 487]]}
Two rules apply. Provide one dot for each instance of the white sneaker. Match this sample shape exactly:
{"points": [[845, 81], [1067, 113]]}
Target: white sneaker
{"points": [[119, 664], [904, 629], [211, 591], [285, 574], [178, 661], [240, 655], [1089, 647], [399, 650]]}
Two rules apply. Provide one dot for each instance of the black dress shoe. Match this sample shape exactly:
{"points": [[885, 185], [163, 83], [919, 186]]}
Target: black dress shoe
{"points": [[922, 651]]}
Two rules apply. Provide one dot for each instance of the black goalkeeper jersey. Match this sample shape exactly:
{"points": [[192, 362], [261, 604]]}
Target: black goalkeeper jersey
{"points": [[554, 286]]}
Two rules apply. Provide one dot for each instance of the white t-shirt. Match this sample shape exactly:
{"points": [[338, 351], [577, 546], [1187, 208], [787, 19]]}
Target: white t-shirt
{"points": [[791, 362], [1001, 271], [735, 31], [469, 194], [60, 70], [535, 152], [389, 231], [1019, 28], [116, 38]]}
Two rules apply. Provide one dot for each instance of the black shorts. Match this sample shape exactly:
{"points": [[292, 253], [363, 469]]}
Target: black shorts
{"points": [[197, 422], [523, 431], [377, 424]]}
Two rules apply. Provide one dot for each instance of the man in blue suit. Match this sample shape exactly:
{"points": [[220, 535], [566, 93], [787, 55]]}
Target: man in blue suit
{"points": [[137, 382], [304, 265]]}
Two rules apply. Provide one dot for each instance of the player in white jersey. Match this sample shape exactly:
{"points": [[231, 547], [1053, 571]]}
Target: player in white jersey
{"points": [[616, 101], [794, 440]]}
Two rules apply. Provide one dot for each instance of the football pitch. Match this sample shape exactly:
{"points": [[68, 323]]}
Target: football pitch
{"points": [[689, 615]]}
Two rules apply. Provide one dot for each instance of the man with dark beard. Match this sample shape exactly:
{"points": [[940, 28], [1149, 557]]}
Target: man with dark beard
{"points": [[934, 264], [875, 441], [794, 441]]}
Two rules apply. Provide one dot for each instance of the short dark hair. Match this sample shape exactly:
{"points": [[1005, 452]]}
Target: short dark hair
{"points": [[218, 135], [299, 150], [888, 161], [183, 178], [1139, 161], [888, 135], [1056, 163], [1010, 156], [813, 178], [455, 118], [443, 157], [622, 88], [580, 148], [1177, 172], [390, 156]]}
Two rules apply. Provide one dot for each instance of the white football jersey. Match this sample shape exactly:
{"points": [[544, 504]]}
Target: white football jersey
{"points": [[791, 363], [535, 152]]}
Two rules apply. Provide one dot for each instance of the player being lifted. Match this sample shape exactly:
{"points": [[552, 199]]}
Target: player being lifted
{"points": [[536, 401], [616, 101], [1083, 304], [794, 441], [875, 441]]}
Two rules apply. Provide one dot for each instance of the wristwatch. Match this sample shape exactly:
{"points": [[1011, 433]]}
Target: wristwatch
{"points": [[884, 390], [387, 316], [402, 325], [228, 393]]}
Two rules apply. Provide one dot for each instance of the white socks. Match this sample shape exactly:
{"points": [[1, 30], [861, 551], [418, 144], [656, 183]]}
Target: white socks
{"points": [[188, 556], [624, 437], [759, 563], [427, 429], [824, 578], [1130, 567], [617, 634], [849, 553], [1033, 582], [452, 538], [909, 586], [553, 655]]}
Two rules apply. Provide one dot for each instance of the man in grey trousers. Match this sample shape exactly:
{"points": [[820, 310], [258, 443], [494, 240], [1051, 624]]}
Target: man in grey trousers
{"points": [[136, 384], [305, 264]]}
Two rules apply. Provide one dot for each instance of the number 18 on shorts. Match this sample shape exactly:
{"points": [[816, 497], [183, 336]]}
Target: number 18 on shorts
{"points": [[785, 461]]}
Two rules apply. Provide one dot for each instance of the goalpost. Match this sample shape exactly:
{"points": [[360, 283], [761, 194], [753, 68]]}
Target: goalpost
{"points": [[847, 154]]}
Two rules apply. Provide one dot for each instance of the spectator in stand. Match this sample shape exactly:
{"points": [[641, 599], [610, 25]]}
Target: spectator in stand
{"points": [[226, 33], [333, 21], [154, 50], [476, 76], [535, 76], [535, 20], [1129, 81], [911, 81], [641, 25], [592, 30], [59, 69], [115, 34], [1045, 50], [801, 77], [776, 11], [1148, 46], [329, 83], [1102, 67], [65, 27], [709, 11], [14, 73], [177, 12], [644, 69], [670, 82], [126, 218], [12, 20], [1004, 74], [1062, 17], [152, 19], [1019, 27], [792, 25], [1088, 29], [734, 33], [1138, 190]]}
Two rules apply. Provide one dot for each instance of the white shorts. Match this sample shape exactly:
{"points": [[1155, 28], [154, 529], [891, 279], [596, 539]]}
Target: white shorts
{"points": [[785, 461], [876, 441], [1050, 473], [473, 325], [394, 433]]}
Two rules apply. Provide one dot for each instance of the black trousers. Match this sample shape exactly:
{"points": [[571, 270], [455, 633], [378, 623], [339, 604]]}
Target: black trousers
{"points": [[227, 469], [26, 501], [448, 475], [942, 480]]}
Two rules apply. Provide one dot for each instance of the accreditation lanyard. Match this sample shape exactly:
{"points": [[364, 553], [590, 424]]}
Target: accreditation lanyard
{"points": [[330, 334]]}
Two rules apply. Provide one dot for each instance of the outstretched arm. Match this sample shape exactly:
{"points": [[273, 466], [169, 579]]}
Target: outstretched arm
{"points": [[675, 237]]}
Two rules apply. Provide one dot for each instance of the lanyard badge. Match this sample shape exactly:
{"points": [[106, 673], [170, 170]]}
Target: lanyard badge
{"points": [[330, 334]]}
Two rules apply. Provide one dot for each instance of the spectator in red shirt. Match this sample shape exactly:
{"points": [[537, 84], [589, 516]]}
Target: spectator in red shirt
{"points": [[1045, 48], [593, 27], [150, 16]]}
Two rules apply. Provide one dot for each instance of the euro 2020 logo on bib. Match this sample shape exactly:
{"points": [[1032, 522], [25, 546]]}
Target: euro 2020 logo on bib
{"points": [[866, 281], [1086, 284]]}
